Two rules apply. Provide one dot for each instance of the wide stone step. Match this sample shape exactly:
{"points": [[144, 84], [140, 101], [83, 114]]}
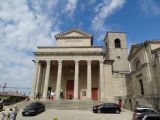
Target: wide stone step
{"points": [[64, 104]]}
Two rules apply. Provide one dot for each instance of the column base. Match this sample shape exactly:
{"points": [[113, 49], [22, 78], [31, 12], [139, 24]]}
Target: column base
{"points": [[86, 99], [44, 99], [57, 98], [75, 99]]}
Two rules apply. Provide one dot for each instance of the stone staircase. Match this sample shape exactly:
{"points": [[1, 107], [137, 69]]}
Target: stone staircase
{"points": [[141, 102], [64, 104]]}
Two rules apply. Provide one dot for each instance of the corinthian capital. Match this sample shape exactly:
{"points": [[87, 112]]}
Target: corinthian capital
{"points": [[60, 62], [89, 61], [48, 62]]}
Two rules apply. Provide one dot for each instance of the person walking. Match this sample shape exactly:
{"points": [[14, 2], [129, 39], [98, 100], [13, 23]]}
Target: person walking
{"points": [[1, 104], [16, 110], [3, 115], [11, 115]]}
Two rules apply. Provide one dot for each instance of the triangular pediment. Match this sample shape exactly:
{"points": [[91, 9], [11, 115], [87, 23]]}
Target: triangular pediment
{"points": [[134, 49], [73, 33]]}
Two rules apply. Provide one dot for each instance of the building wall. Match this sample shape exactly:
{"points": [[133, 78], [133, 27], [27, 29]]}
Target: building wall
{"points": [[119, 85], [109, 93], [147, 72]]}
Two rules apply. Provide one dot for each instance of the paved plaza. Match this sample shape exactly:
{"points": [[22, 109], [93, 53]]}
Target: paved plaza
{"points": [[69, 110], [49, 114]]}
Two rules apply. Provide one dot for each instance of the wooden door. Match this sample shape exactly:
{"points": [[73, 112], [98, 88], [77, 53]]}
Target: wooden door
{"points": [[94, 93], [70, 89]]}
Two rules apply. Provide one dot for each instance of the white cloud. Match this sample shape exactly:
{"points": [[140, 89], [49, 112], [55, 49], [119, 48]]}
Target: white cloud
{"points": [[70, 7], [150, 7], [24, 25], [103, 11]]}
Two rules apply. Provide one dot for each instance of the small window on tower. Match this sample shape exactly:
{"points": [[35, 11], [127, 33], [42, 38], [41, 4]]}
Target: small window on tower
{"points": [[117, 43]]}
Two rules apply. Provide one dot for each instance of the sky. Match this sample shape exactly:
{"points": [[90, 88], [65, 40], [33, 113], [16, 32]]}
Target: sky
{"points": [[26, 24]]}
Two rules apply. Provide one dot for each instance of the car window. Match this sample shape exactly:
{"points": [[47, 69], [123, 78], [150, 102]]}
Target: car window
{"points": [[105, 105], [153, 118], [38, 104], [147, 110], [152, 111], [140, 110]]}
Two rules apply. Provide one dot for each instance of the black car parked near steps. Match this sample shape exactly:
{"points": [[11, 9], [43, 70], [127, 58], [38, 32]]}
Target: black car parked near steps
{"points": [[107, 108], [33, 109]]}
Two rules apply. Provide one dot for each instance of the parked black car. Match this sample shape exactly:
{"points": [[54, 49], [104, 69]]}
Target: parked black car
{"points": [[107, 108], [148, 116], [33, 109], [143, 110]]}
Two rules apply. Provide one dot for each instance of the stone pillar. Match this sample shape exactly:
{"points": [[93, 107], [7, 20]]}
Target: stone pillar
{"points": [[89, 84], [46, 82], [58, 86], [76, 79], [38, 79], [101, 80], [34, 80]]}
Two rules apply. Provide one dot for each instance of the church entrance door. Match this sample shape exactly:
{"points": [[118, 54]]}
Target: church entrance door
{"points": [[94, 93], [70, 89]]}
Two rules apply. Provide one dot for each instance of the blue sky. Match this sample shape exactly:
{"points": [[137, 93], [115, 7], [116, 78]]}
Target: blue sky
{"points": [[26, 24]]}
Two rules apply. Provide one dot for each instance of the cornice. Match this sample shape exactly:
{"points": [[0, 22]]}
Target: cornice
{"points": [[69, 53], [108, 62], [131, 55], [152, 41], [72, 37], [54, 47]]}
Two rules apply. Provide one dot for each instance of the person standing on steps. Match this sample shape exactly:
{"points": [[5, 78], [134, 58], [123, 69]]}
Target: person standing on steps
{"points": [[61, 94]]}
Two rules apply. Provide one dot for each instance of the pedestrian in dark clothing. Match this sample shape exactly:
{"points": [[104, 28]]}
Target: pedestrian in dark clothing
{"points": [[61, 94]]}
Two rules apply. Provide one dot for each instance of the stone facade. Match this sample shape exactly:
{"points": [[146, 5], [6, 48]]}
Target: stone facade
{"points": [[145, 70], [81, 70]]}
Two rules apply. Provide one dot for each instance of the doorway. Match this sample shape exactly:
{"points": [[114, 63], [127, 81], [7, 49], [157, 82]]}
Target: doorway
{"points": [[70, 89], [94, 93]]}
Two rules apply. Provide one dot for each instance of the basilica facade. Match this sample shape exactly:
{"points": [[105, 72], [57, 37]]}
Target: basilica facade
{"points": [[80, 69]]}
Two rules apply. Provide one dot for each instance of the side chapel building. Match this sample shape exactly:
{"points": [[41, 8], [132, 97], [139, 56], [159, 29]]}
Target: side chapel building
{"points": [[144, 59], [80, 69]]}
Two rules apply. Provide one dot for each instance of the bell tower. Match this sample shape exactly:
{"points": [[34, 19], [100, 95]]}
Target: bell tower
{"points": [[115, 49]]}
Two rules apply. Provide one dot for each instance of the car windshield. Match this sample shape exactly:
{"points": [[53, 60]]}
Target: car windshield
{"points": [[32, 105]]}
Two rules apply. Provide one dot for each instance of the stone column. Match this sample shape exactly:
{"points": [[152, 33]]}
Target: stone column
{"points": [[58, 86], [76, 79], [46, 82], [89, 84], [38, 79], [34, 79], [101, 80]]}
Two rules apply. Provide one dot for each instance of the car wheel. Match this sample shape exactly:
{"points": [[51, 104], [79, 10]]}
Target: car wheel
{"points": [[117, 112], [98, 111]]}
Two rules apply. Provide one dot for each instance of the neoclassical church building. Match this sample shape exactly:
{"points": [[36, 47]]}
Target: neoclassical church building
{"points": [[80, 69]]}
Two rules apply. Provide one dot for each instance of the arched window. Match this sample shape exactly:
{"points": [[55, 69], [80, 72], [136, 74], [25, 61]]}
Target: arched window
{"points": [[137, 63], [117, 43]]}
